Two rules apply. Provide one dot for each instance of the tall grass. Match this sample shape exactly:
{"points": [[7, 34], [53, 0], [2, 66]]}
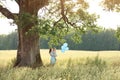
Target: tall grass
{"points": [[66, 68], [92, 69]]}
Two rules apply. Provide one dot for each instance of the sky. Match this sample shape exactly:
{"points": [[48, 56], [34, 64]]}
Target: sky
{"points": [[107, 19]]}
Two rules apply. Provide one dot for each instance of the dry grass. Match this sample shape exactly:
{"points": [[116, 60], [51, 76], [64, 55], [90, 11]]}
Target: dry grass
{"points": [[69, 66], [7, 55]]}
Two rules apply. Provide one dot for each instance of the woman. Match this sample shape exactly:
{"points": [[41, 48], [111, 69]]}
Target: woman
{"points": [[53, 55]]}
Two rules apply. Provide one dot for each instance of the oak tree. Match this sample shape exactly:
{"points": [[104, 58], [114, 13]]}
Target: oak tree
{"points": [[55, 19]]}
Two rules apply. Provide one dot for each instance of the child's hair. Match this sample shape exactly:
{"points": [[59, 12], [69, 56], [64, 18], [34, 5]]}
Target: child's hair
{"points": [[50, 50]]}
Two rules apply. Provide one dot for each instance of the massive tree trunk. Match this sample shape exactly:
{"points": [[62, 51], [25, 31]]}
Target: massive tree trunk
{"points": [[28, 53]]}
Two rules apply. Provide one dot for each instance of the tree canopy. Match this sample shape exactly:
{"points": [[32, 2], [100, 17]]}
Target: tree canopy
{"points": [[57, 18], [113, 5]]}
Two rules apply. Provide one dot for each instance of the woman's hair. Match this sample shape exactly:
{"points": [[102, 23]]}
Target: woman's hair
{"points": [[50, 50]]}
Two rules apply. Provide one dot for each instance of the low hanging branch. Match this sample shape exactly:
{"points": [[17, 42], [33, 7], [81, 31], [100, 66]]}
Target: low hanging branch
{"points": [[7, 13]]}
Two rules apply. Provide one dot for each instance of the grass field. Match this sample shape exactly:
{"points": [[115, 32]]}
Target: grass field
{"points": [[71, 65], [109, 56]]}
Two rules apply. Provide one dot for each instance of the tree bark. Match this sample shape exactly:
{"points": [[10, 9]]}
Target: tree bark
{"points": [[28, 53]]}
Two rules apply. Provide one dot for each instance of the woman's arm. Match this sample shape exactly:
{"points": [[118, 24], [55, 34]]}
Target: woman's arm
{"points": [[53, 54]]}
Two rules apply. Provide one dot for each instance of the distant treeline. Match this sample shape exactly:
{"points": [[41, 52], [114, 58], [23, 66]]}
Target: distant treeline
{"points": [[104, 40]]}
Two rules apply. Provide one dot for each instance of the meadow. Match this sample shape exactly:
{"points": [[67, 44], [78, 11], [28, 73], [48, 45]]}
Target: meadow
{"points": [[71, 65]]}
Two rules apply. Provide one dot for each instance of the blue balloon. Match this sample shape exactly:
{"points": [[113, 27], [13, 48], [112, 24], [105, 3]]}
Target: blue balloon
{"points": [[62, 51], [65, 44], [64, 47]]}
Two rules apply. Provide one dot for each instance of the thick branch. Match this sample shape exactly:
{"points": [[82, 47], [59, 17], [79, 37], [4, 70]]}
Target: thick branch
{"points": [[6, 13], [63, 14]]}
